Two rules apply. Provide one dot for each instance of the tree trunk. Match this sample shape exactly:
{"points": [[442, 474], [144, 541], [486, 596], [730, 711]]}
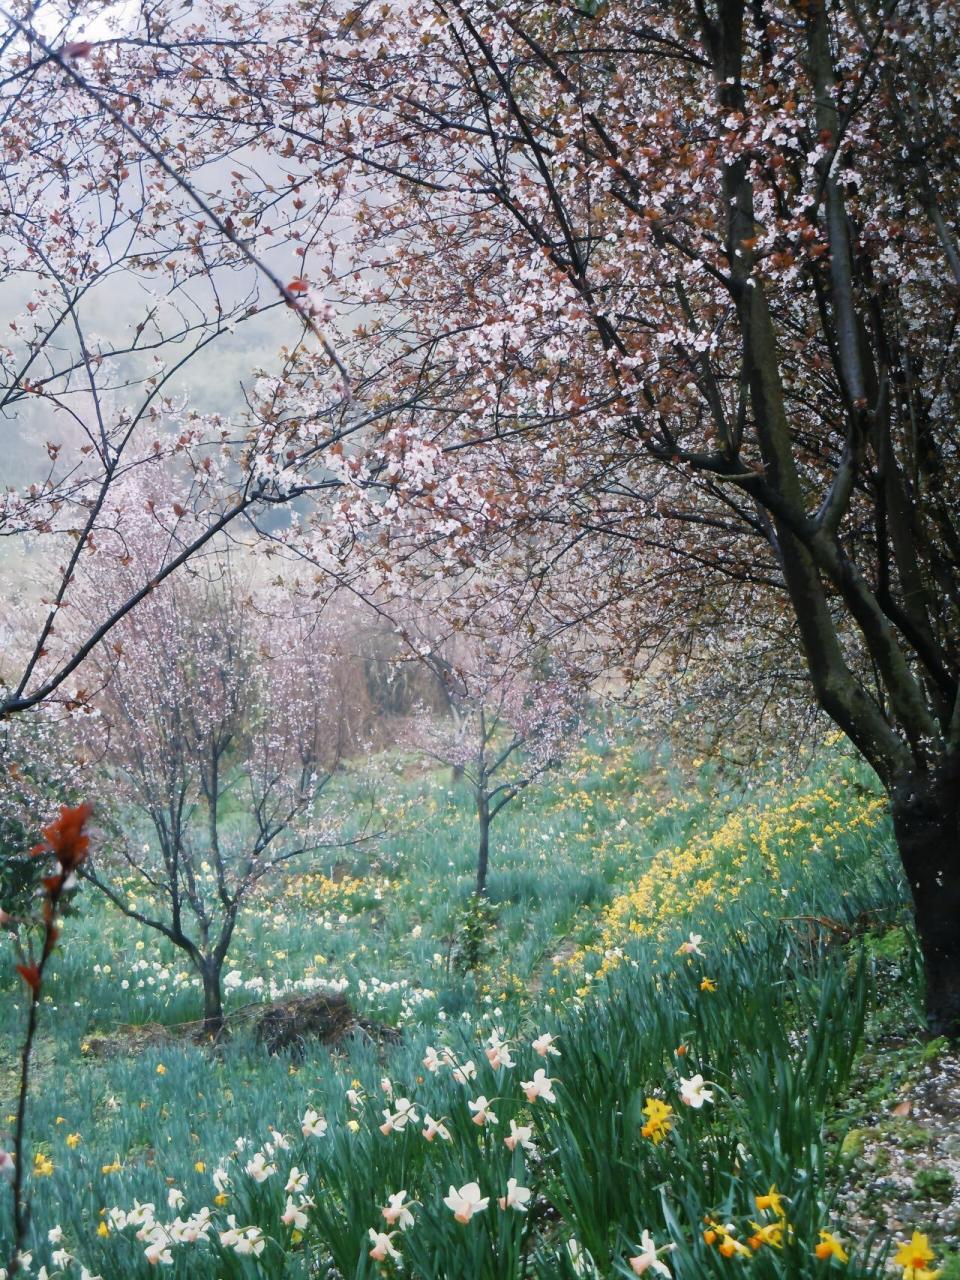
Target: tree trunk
{"points": [[926, 819], [483, 852], [212, 998]]}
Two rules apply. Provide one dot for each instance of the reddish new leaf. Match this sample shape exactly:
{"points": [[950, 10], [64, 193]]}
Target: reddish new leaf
{"points": [[30, 974]]}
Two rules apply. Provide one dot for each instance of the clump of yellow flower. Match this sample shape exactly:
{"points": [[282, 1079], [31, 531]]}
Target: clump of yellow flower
{"points": [[711, 867], [770, 1233], [659, 1121], [728, 1246]]}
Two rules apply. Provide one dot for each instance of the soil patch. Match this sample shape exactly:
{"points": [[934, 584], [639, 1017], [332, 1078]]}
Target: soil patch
{"points": [[903, 1170], [287, 1025]]}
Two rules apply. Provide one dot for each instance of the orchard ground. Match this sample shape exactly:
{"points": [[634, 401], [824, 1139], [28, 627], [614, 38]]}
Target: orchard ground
{"points": [[695, 1017]]}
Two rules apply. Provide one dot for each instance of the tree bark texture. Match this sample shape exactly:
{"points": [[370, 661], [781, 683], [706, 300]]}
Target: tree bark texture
{"points": [[926, 819]]}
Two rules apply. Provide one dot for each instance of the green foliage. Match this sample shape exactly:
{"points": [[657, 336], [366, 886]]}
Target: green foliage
{"points": [[474, 933], [19, 881], [934, 1184]]}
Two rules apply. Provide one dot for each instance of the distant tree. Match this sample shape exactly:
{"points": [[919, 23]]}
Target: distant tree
{"points": [[512, 719], [218, 728]]}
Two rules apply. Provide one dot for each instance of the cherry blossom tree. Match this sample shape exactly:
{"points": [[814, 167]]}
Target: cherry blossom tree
{"points": [[217, 729], [665, 302]]}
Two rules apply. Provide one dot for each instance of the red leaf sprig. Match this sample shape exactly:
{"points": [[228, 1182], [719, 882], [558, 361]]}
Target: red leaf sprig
{"points": [[69, 843], [65, 836]]}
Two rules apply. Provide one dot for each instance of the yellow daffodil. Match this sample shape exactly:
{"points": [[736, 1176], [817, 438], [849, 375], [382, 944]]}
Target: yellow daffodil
{"points": [[73, 1140], [830, 1247], [730, 1248], [770, 1233], [708, 984], [771, 1202], [914, 1253], [103, 1230], [42, 1165], [913, 1256]]}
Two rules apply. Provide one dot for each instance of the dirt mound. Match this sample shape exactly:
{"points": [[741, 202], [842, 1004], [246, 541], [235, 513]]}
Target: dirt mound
{"points": [[291, 1024], [128, 1040], [287, 1025]]}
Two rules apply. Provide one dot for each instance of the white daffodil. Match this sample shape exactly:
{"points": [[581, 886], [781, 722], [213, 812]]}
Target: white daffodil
{"points": [[693, 1092], [466, 1201], [517, 1197]]}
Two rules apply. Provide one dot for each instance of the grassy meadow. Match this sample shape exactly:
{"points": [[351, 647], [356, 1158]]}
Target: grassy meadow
{"points": [[647, 1069]]}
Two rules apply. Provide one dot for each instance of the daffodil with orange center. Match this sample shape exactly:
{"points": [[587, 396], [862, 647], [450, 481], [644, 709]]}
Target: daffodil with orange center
{"points": [[913, 1256], [772, 1202], [830, 1247]]}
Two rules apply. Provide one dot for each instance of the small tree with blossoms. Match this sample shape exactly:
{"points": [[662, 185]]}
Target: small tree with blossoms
{"points": [[513, 716], [215, 697]]}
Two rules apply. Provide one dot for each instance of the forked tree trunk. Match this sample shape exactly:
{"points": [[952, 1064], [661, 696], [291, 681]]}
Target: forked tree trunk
{"points": [[212, 998], [926, 820]]}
